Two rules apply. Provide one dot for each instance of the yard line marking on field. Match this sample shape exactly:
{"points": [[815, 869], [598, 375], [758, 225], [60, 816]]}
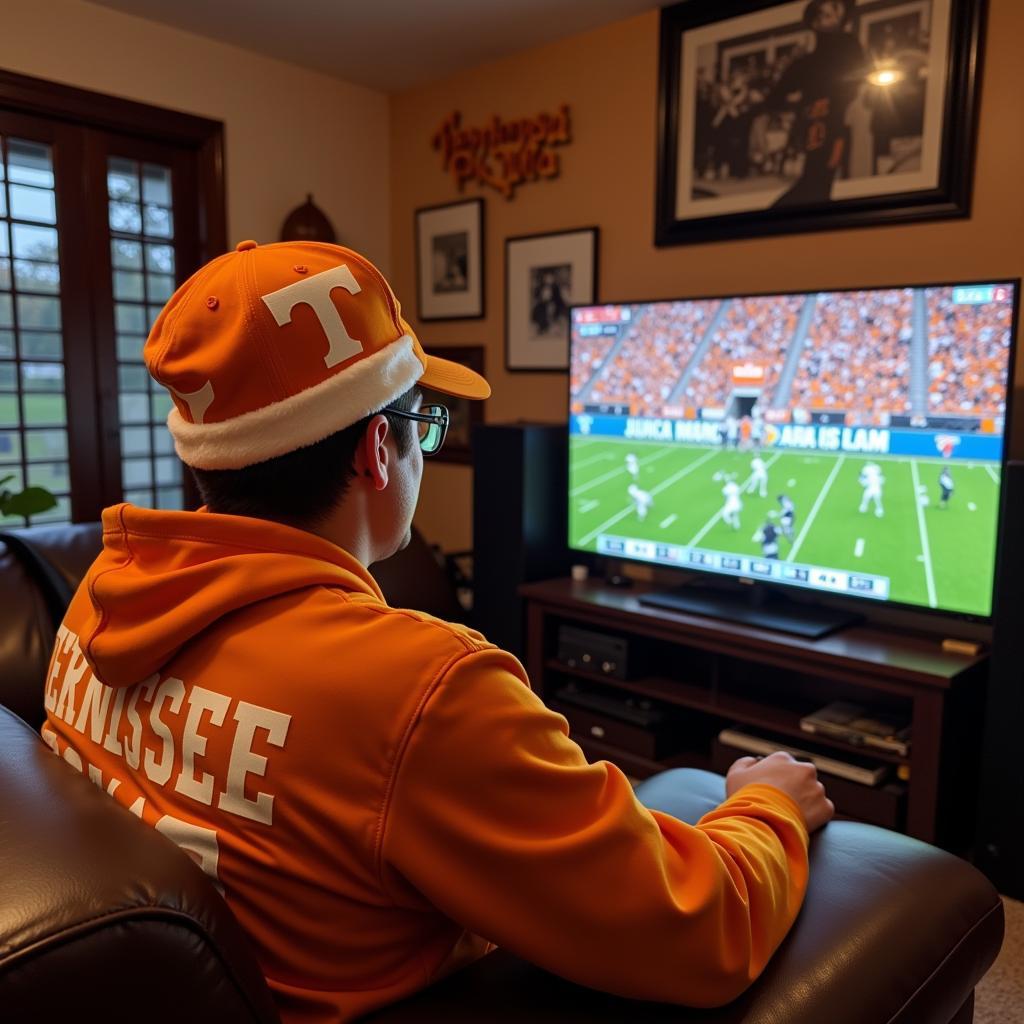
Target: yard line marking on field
{"points": [[992, 473], [929, 577], [593, 458], [675, 477], [858, 548], [667, 522], [576, 491], [814, 508], [718, 515], [589, 506]]}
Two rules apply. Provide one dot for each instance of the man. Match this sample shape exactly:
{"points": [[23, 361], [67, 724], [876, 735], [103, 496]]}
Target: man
{"points": [[377, 793], [642, 501], [945, 487], [632, 466], [768, 538], [820, 86], [787, 515], [871, 479], [733, 505], [758, 480]]}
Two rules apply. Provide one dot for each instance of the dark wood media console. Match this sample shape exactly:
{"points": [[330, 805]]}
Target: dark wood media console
{"points": [[703, 675]]}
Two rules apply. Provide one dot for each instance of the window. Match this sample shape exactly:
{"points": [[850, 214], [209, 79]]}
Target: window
{"points": [[98, 227]]}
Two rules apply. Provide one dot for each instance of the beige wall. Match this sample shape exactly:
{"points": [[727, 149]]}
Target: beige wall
{"points": [[609, 76], [288, 131]]}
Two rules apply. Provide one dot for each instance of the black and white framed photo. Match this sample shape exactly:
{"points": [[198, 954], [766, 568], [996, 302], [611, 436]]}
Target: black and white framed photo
{"points": [[814, 114], [450, 261], [544, 276]]}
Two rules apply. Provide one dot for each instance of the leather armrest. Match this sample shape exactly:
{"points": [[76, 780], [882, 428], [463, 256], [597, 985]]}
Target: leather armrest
{"points": [[892, 931]]}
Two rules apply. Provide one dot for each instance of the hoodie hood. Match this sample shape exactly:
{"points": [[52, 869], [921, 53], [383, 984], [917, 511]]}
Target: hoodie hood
{"points": [[164, 577]]}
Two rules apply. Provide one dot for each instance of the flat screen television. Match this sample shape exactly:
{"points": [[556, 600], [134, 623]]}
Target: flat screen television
{"points": [[849, 442]]}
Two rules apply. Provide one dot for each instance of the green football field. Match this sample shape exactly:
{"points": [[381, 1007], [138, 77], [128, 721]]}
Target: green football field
{"points": [[935, 557]]}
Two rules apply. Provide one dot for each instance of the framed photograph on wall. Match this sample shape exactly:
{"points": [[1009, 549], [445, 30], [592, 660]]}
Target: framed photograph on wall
{"points": [[808, 115], [544, 276], [450, 261], [464, 413]]}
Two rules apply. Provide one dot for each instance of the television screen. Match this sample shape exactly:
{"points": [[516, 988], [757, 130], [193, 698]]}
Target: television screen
{"points": [[844, 441]]}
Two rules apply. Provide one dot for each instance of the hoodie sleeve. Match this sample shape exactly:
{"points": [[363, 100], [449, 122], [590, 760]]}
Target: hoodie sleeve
{"points": [[498, 820]]}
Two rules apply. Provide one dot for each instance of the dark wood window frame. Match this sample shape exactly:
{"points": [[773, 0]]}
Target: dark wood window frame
{"points": [[97, 463]]}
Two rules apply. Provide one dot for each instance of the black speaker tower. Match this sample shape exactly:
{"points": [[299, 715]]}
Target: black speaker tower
{"points": [[520, 476]]}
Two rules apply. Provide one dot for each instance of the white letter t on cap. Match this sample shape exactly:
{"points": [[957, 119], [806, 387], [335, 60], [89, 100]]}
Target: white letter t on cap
{"points": [[315, 292]]}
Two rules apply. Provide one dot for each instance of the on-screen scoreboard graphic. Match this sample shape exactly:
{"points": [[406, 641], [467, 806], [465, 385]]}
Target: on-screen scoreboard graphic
{"points": [[849, 442]]}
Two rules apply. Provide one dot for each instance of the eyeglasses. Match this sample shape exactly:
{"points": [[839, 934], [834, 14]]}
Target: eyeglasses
{"points": [[431, 423]]}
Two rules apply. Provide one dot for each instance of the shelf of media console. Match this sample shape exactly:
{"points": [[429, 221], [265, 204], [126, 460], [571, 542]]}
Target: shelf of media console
{"points": [[811, 577], [727, 706]]}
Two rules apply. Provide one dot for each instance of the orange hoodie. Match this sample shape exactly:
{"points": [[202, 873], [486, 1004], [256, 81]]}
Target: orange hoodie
{"points": [[378, 794]]}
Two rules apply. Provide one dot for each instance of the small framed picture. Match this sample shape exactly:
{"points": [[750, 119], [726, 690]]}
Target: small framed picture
{"points": [[544, 276], [450, 261], [464, 413]]}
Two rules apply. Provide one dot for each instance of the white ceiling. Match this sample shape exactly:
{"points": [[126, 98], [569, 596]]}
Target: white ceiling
{"points": [[388, 45]]}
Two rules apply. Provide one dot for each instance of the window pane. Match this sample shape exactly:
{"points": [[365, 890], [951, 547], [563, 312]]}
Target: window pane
{"points": [[3, 198], [51, 475], [122, 179], [7, 343], [29, 163], [135, 440], [154, 312], [32, 243], [140, 497], [5, 245], [44, 410], [42, 376], [136, 472], [159, 221], [46, 444], [126, 255], [156, 184], [8, 377], [41, 345], [162, 405], [168, 471], [61, 513], [9, 415], [133, 408], [125, 217], [163, 443], [132, 378], [36, 277], [129, 285], [18, 481], [160, 259], [5, 273], [129, 319], [129, 347], [6, 312], [161, 287], [34, 311], [33, 204], [170, 497], [10, 448]]}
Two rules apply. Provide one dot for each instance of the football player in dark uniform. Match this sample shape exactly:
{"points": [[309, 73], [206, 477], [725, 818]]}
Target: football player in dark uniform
{"points": [[819, 87], [768, 538], [945, 486]]}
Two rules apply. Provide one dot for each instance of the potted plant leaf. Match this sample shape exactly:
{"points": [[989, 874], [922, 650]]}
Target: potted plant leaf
{"points": [[28, 502]]}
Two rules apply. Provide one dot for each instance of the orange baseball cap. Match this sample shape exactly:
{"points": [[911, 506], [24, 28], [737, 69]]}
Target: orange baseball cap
{"points": [[271, 348]]}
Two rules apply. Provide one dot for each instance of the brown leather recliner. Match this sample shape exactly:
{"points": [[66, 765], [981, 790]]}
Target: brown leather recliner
{"points": [[103, 918]]}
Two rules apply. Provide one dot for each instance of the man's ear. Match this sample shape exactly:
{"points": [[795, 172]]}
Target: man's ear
{"points": [[371, 459]]}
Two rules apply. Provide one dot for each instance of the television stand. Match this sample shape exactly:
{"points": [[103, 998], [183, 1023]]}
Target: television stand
{"points": [[754, 608]]}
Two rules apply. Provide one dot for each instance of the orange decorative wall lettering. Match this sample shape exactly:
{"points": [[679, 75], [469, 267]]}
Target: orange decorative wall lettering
{"points": [[503, 154]]}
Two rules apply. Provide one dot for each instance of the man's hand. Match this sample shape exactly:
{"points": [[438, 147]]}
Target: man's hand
{"points": [[797, 779]]}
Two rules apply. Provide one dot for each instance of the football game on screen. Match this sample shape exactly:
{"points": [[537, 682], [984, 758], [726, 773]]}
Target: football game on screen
{"points": [[847, 441]]}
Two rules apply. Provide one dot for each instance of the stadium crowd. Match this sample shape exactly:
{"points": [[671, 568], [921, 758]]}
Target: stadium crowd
{"points": [[756, 331], [587, 355], [857, 354], [968, 349], [659, 346]]}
